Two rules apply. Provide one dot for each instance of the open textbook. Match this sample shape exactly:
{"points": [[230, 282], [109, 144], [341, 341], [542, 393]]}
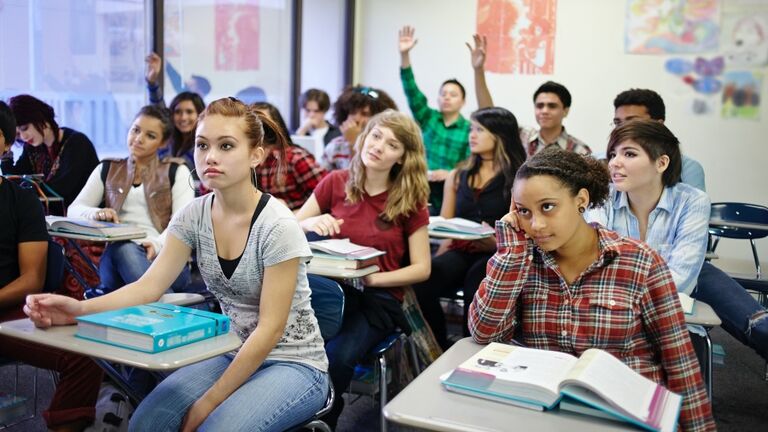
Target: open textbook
{"points": [[539, 379], [93, 228]]}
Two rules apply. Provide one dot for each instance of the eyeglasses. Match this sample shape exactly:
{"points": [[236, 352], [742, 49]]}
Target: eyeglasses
{"points": [[368, 91]]}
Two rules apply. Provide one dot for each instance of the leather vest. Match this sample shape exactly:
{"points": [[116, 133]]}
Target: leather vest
{"points": [[157, 187]]}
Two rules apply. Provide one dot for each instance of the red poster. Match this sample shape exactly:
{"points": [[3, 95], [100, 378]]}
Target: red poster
{"points": [[237, 35], [521, 35]]}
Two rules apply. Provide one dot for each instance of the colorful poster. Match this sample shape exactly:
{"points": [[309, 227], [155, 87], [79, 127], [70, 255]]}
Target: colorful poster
{"points": [[236, 28], [741, 95], [521, 35], [745, 39], [672, 26]]}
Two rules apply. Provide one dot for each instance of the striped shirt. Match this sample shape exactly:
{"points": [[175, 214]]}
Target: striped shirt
{"points": [[624, 303], [534, 143], [677, 228], [446, 145]]}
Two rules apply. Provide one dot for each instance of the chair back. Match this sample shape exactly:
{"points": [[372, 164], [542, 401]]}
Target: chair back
{"points": [[739, 212], [328, 304], [54, 271]]}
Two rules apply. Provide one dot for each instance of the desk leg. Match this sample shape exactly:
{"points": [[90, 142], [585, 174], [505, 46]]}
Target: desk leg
{"points": [[709, 364], [134, 396]]}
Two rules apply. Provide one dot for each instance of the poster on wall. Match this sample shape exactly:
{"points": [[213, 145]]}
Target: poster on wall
{"points": [[741, 95], [521, 35], [672, 26], [745, 39], [236, 27]]}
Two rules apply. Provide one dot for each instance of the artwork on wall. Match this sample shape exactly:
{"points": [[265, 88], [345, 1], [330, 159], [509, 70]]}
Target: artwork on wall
{"points": [[672, 26], [236, 27], [521, 35], [745, 39], [741, 95]]}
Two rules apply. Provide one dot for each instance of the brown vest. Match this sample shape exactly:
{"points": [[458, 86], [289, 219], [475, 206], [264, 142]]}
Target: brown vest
{"points": [[157, 188]]}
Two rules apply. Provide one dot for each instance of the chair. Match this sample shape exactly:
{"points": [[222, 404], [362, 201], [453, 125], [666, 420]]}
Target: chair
{"points": [[328, 303]]}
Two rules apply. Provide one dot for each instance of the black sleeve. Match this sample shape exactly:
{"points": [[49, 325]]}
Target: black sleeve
{"points": [[31, 218], [77, 163], [23, 166]]}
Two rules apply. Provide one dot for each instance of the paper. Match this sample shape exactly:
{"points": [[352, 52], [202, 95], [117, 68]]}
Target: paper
{"points": [[672, 26]]}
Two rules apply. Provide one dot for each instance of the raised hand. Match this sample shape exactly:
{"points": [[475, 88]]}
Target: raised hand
{"points": [[154, 64], [406, 39], [478, 52]]}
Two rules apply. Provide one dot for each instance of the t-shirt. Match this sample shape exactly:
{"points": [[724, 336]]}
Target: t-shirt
{"points": [[275, 237], [364, 225], [22, 220]]}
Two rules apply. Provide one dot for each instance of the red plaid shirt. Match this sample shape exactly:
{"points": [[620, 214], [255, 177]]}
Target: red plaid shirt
{"points": [[624, 303], [300, 175]]}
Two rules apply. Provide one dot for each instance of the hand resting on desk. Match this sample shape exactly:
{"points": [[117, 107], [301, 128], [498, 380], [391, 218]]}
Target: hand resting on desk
{"points": [[46, 310]]}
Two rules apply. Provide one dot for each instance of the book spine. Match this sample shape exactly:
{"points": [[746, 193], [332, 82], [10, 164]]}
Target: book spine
{"points": [[185, 336]]}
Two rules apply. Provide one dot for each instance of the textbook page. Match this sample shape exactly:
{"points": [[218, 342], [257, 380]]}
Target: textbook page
{"points": [[615, 382]]}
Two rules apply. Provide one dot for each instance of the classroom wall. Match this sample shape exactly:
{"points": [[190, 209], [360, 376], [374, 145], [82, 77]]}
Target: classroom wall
{"points": [[322, 46], [590, 61]]}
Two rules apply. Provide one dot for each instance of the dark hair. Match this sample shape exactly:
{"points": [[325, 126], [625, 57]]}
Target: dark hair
{"points": [[651, 100], [29, 109], [7, 123], [509, 153], [257, 123], [354, 99], [656, 140], [456, 82], [572, 170], [270, 134], [317, 95], [160, 114], [184, 142], [556, 88]]}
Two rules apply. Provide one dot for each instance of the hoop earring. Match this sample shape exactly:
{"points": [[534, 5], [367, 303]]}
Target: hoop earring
{"points": [[254, 178], [582, 209]]}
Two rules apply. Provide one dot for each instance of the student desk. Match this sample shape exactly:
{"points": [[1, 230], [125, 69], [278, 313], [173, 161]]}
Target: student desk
{"points": [[720, 223], [424, 403], [434, 234], [338, 273], [704, 316], [63, 337]]}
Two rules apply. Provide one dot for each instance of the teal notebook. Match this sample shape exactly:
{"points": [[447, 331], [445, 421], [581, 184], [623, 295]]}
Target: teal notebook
{"points": [[151, 328]]}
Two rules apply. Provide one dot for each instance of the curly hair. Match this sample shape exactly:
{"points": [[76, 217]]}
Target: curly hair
{"points": [[572, 170], [357, 98]]}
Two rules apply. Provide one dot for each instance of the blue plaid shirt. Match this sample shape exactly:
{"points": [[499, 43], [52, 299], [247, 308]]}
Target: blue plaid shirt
{"points": [[677, 228]]}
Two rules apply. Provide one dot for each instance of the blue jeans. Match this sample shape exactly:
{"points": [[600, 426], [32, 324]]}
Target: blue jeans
{"points": [[741, 315], [124, 262], [278, 396]]}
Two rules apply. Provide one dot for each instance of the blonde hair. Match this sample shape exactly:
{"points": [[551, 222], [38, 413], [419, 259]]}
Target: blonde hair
{"points": [[409, 188]]}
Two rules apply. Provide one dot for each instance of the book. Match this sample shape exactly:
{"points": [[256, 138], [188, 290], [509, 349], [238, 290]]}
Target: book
{"points": [[93, 228], [540, 379], [438, 224], [344, 248], [151, 328], [686, 302], [320, 259]]}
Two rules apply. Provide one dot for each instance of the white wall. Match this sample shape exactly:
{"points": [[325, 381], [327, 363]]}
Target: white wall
{"points": [[590, 61], [322, 46]]}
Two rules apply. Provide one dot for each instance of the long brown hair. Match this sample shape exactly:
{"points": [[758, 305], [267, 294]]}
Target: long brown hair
{"points": [[409, 189]]}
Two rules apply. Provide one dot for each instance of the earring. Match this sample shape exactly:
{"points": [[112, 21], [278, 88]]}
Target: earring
{"points": [[254, 179], [582, 209]]}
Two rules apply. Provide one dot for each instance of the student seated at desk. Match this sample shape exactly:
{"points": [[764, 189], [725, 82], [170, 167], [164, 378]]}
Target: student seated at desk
{"points": [[252, 255], [381, 201], [480, 191], [141, 190], [62, 155], [23, 248], [558, 283], [314, 104], [649, 202]]}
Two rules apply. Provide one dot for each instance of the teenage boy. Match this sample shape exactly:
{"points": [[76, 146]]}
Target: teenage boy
{"points": [[647, 104], [315, 104], [445, 131]]}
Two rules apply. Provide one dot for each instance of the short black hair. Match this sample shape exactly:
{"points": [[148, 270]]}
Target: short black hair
{"points": [[651, 100], [656, 139], [320, 97], [455, 81], [7, 123], [556, 88]]}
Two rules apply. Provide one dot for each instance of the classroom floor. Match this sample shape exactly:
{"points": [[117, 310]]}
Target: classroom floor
{"points": [[740, 395]]}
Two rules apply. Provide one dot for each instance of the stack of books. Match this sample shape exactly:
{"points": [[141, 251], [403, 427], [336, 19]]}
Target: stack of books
{"points": [[93, 228], [596, 383], [153, 327], [458, 228]]}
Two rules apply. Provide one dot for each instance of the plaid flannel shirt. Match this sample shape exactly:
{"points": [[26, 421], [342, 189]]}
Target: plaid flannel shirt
{"points": [[300, 176], [624, 303], [446, 145], [533, 143]]}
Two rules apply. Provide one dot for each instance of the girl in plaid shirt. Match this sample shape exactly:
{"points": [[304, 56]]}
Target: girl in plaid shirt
{"points": [[558, 283]]}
